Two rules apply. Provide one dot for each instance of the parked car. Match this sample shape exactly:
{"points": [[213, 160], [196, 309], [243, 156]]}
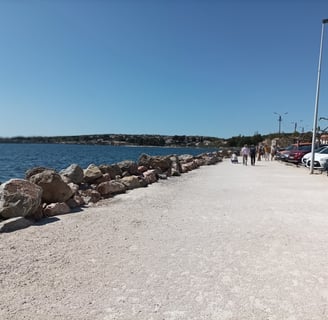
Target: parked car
{"points": [[319, 160], [283, 154], [306, 157], [295, 155]]}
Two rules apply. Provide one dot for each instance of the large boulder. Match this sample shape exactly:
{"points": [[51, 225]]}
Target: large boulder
{"points": [[142, 169], [163, 163], [128, 167], [114, 170], [73, 173], [53, 186], [175, 166], [103, 178], [19, 198], [75, 202], [92, 173], [111, 187], [211, 158], [201, 161], [150, 176], [88, 196], [132, 182], [144, 160], [189, 166], [54, 209], [33, 171], [185, 158], [74, 187]]}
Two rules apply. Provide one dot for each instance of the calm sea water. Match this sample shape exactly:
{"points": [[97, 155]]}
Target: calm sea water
{"points": [[16, 159]]}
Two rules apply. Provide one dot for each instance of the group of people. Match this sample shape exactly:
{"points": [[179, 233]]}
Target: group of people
{"points": [[255, 152]]}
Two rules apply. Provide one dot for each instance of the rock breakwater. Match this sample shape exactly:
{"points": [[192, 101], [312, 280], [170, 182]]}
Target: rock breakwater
{"points": [[45, 192]]}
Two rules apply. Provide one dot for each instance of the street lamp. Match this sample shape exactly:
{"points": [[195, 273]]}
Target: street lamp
{"points": [[295, 125], [279, 120], [315, 118]]}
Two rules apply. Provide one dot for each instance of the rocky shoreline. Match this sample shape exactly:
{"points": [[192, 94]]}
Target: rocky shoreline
{"points": [[46, 193]]}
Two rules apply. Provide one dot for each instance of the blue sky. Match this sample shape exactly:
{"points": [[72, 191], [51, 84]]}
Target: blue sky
{"points": [[212, 68]]}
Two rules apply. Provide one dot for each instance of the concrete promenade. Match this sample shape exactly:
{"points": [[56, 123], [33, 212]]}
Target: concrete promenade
{"points": [[221, 242]]}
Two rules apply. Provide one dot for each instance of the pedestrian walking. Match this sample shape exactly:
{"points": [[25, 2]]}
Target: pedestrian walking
{"points": [[260, 152], [252, 152], [266, 152], [273, 152], [245, 154]]}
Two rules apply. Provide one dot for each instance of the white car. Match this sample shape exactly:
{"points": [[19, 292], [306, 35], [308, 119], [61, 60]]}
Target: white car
{"points": [[320, 150], [320, 161]]}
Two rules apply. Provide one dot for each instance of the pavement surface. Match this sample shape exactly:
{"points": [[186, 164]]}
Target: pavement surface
{"points": [[221, 242]]}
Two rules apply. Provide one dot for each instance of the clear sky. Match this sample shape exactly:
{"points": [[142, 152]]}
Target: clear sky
{"points": [[213, 68]]}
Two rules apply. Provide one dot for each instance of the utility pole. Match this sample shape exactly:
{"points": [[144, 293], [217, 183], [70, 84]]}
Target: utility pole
{"points": [[279, 120]]}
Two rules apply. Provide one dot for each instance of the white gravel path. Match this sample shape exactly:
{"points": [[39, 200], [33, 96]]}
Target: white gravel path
{"points": [[221, 242]]}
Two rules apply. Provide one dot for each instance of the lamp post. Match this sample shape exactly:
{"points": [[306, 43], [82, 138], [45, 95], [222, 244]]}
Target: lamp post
{"points": [[295, 126], [279, 120], [315, 118]]}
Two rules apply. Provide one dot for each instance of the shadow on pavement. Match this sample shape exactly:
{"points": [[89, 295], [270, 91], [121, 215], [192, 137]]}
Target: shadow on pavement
{"points": [[19, 223]]}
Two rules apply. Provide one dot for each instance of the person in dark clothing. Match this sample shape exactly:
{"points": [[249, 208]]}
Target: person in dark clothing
{"points": [[252, 152]]}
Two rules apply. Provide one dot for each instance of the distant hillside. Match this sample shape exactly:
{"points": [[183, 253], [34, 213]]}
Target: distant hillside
{"points": [[124, 139], [165, 141]]}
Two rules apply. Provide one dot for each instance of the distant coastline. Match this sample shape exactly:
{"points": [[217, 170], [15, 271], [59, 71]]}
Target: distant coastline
{"points": [[131, 140], [155, 140]]}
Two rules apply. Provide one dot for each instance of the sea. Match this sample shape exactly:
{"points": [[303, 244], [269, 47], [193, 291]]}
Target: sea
{"points": [[16, 159]]}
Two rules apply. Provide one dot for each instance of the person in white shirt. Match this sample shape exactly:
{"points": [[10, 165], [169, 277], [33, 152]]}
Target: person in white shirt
{"points": [[245, 153]]}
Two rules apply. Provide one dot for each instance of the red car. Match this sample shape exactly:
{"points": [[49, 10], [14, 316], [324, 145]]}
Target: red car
{"points": [[295, 156], [284, 153]]}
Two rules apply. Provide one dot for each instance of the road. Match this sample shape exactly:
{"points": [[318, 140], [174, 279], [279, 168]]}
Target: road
{"points": [[221, 242]]}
